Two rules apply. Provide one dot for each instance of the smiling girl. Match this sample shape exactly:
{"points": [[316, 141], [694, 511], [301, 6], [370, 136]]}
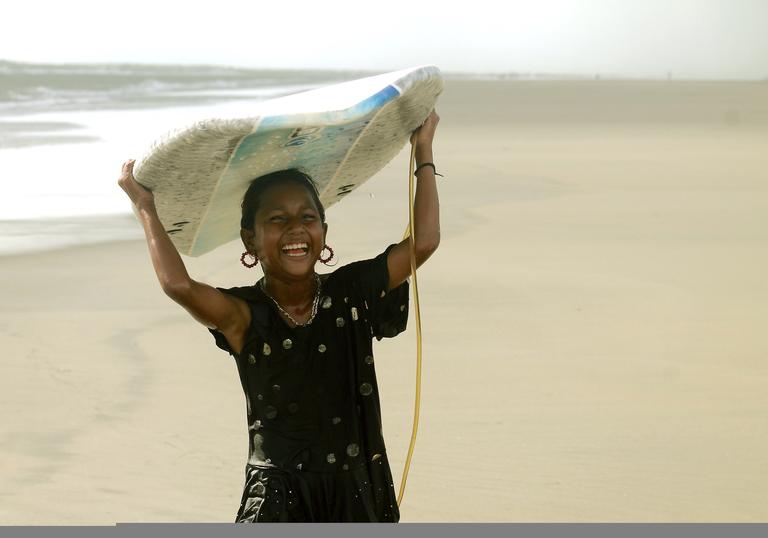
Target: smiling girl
{"points": [[303, 343]]}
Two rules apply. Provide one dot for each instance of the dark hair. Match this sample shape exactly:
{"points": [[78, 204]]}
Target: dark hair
{"points": [[258, 186]]}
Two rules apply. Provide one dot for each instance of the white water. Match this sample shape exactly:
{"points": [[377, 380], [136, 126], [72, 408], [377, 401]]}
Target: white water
{"points": [[59, 192]]}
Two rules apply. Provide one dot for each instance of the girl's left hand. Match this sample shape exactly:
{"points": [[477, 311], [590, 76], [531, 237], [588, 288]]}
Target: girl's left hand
{"points": [[424, 135]]}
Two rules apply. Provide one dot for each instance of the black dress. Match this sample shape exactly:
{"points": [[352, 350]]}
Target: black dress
{"points": [[316, 446]]}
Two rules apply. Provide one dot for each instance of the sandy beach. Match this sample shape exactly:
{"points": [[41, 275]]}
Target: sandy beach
{"points": [[593, 322]]}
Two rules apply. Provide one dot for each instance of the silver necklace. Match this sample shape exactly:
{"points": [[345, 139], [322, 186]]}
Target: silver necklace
{"points": [[315, 302]]}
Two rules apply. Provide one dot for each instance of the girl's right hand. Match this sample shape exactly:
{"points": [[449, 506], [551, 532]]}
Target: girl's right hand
{"points": [[138, 193]]}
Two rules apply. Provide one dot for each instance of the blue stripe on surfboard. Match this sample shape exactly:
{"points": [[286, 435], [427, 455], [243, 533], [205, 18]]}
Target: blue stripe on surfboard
{"points": [[363, 110]]}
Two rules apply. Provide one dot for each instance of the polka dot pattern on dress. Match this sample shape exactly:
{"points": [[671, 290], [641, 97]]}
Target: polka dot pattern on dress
{"points": [[332, 382]]}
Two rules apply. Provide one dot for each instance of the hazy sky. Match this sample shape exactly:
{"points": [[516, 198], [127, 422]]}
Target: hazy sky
{"points": [[690, 38]]}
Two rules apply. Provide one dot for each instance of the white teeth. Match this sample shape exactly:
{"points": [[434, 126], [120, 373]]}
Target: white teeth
{"points": [[296, 246]]}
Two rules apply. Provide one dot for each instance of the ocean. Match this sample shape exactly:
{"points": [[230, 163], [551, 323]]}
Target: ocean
{"points": [[65, 131]]}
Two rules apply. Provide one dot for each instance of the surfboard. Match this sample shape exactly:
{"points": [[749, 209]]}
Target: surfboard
{"points": [[339, 134]]}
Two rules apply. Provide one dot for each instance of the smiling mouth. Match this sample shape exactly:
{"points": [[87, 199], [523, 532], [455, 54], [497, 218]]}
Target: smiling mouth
{"points": [[295, 250]]}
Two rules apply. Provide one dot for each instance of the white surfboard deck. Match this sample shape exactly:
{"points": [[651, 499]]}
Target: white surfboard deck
{"points": [[340, 134]]}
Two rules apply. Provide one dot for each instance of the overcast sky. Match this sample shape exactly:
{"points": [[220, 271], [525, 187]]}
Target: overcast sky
{"points": [[689, 38]]}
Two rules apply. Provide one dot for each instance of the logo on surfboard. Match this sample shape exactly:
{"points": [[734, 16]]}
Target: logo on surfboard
{"points": [[302, 135]]}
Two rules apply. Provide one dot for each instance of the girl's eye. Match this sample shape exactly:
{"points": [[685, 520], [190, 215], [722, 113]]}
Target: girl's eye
{"points": [[308, 216], [276, 217]]}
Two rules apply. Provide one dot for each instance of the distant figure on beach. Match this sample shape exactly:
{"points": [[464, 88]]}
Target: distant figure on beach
{"points": [[303, 343]]}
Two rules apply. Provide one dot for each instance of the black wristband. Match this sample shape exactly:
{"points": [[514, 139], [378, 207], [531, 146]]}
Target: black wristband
{"points": [[427, 164]]}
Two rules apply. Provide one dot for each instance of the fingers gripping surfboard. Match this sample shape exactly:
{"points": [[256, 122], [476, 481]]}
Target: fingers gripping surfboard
{"points": [[340, 134]]}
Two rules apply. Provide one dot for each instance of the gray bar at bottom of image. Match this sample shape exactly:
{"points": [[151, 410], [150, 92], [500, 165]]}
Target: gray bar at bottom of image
{"points": [[375, 530]]}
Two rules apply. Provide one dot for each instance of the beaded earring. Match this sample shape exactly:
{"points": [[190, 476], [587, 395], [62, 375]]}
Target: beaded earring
{"points": [[242, 259], [329, 258]]}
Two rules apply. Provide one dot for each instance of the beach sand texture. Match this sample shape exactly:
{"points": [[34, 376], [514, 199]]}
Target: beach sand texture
{"points": [[593, 323]]}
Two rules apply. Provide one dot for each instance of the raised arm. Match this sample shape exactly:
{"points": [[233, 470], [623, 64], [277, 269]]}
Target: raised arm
{"points": [[205, 303], [426, 210]]}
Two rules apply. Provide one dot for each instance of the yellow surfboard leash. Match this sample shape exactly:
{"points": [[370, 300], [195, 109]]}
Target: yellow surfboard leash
{"points": [[408, 233]]}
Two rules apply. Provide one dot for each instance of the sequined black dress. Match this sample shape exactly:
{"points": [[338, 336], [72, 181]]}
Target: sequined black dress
{"points": [[316, 446]]}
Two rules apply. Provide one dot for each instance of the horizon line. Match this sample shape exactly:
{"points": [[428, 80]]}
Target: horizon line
{"points": [[507, 74]]}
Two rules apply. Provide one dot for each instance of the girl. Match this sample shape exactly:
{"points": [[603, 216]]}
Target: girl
{"points": [[303, 343]]}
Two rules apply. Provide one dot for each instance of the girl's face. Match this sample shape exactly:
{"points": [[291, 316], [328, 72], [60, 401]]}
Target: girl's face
{"points": [[287, 217]]}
